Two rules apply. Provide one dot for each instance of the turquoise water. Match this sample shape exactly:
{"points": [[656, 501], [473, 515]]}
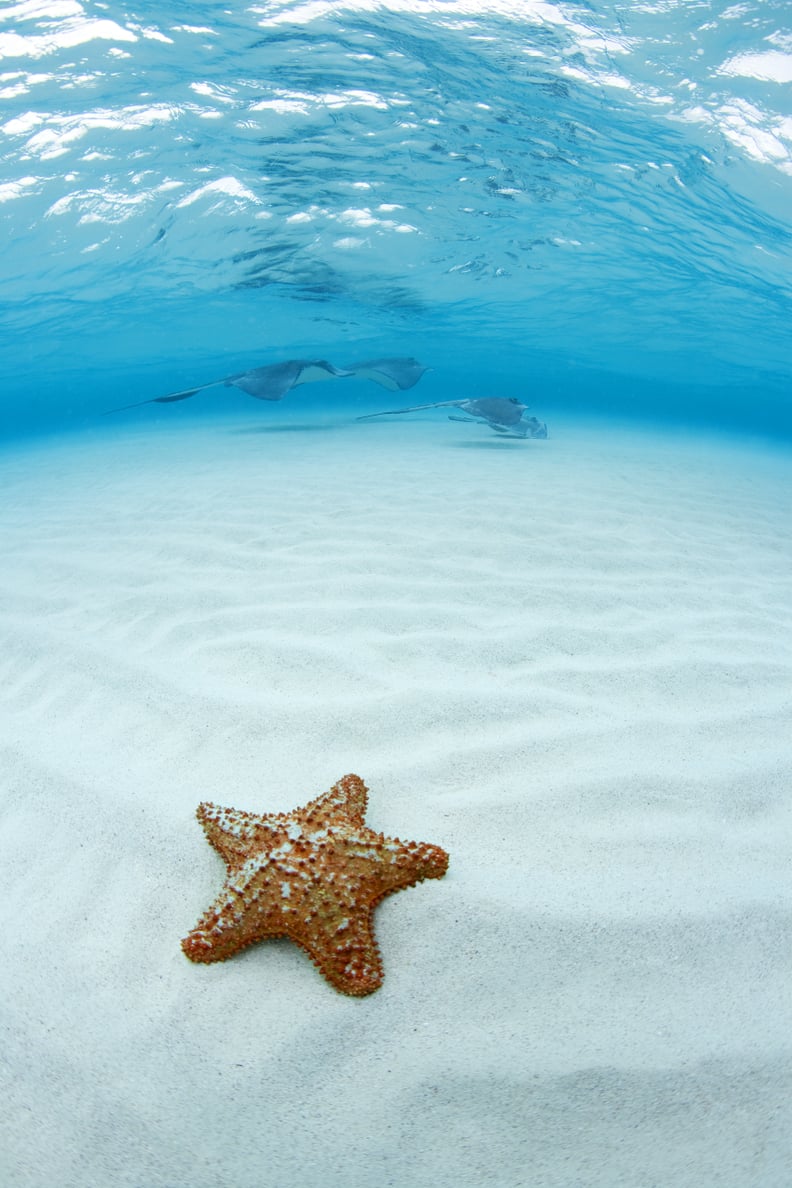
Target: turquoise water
{"points": [[587, 207], [567, 662]]}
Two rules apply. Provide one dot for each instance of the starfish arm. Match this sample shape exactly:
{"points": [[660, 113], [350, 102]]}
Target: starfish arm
{"points": [[234, 921], [347, 798], [396, 864], [215, 936], [345, 953], [231, 831]]}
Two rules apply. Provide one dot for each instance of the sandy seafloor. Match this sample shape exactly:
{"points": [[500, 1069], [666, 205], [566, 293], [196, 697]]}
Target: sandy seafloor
{"points": [[567, 662]]}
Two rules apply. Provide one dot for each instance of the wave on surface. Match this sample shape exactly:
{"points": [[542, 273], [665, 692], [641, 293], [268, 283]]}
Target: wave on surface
{"points": [[581, 186]]}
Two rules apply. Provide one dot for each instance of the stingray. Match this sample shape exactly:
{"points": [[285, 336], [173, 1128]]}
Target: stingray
{"points": [[503, 415], [273, 382]]}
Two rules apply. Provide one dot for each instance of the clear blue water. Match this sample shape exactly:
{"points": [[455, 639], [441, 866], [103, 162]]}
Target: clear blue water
{"points": [[586, 206], [567, 662]]}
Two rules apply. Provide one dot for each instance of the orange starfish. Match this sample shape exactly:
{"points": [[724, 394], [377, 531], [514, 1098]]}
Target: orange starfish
{"points": [[315, 875]]}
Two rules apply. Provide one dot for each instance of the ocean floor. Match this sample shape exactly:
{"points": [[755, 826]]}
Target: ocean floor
{"points": [[567, 662]]}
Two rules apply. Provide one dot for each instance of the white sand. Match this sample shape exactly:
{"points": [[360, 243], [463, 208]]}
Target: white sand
{"points": [[567, 662]]}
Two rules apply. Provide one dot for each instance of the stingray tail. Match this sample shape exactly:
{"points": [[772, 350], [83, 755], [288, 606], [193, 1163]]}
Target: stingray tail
{"points": [[392, 412], [171, 398]]}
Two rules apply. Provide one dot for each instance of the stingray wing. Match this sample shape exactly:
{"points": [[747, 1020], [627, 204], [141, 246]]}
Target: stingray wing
{"points": [[395, 374], [273, 382], [496, 409]]}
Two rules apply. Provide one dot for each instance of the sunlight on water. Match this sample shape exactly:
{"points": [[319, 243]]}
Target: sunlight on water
{"points": [[595, 199]]}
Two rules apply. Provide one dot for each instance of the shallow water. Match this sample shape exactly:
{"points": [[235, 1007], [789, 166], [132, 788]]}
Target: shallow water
{"points": [[581, 205], [565, 660]]}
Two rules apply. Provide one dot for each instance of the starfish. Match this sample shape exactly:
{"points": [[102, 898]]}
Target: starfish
{"points": [[314, 875]]}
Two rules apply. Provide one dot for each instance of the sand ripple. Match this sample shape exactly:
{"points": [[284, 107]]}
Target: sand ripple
{"points": [[570, 665]]}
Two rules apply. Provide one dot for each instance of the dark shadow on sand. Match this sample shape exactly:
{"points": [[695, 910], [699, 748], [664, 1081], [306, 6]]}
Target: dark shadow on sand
{"points": [[288, 429], [502, 443]]}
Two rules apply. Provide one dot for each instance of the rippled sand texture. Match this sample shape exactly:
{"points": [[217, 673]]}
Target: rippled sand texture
{"points": [[567, 662]]}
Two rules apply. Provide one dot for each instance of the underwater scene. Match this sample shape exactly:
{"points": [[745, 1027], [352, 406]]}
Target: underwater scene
{"points": [[396, 495]]}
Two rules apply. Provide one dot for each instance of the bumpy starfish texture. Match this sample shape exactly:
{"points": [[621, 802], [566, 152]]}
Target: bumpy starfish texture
{"points": [[315, 875]]}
